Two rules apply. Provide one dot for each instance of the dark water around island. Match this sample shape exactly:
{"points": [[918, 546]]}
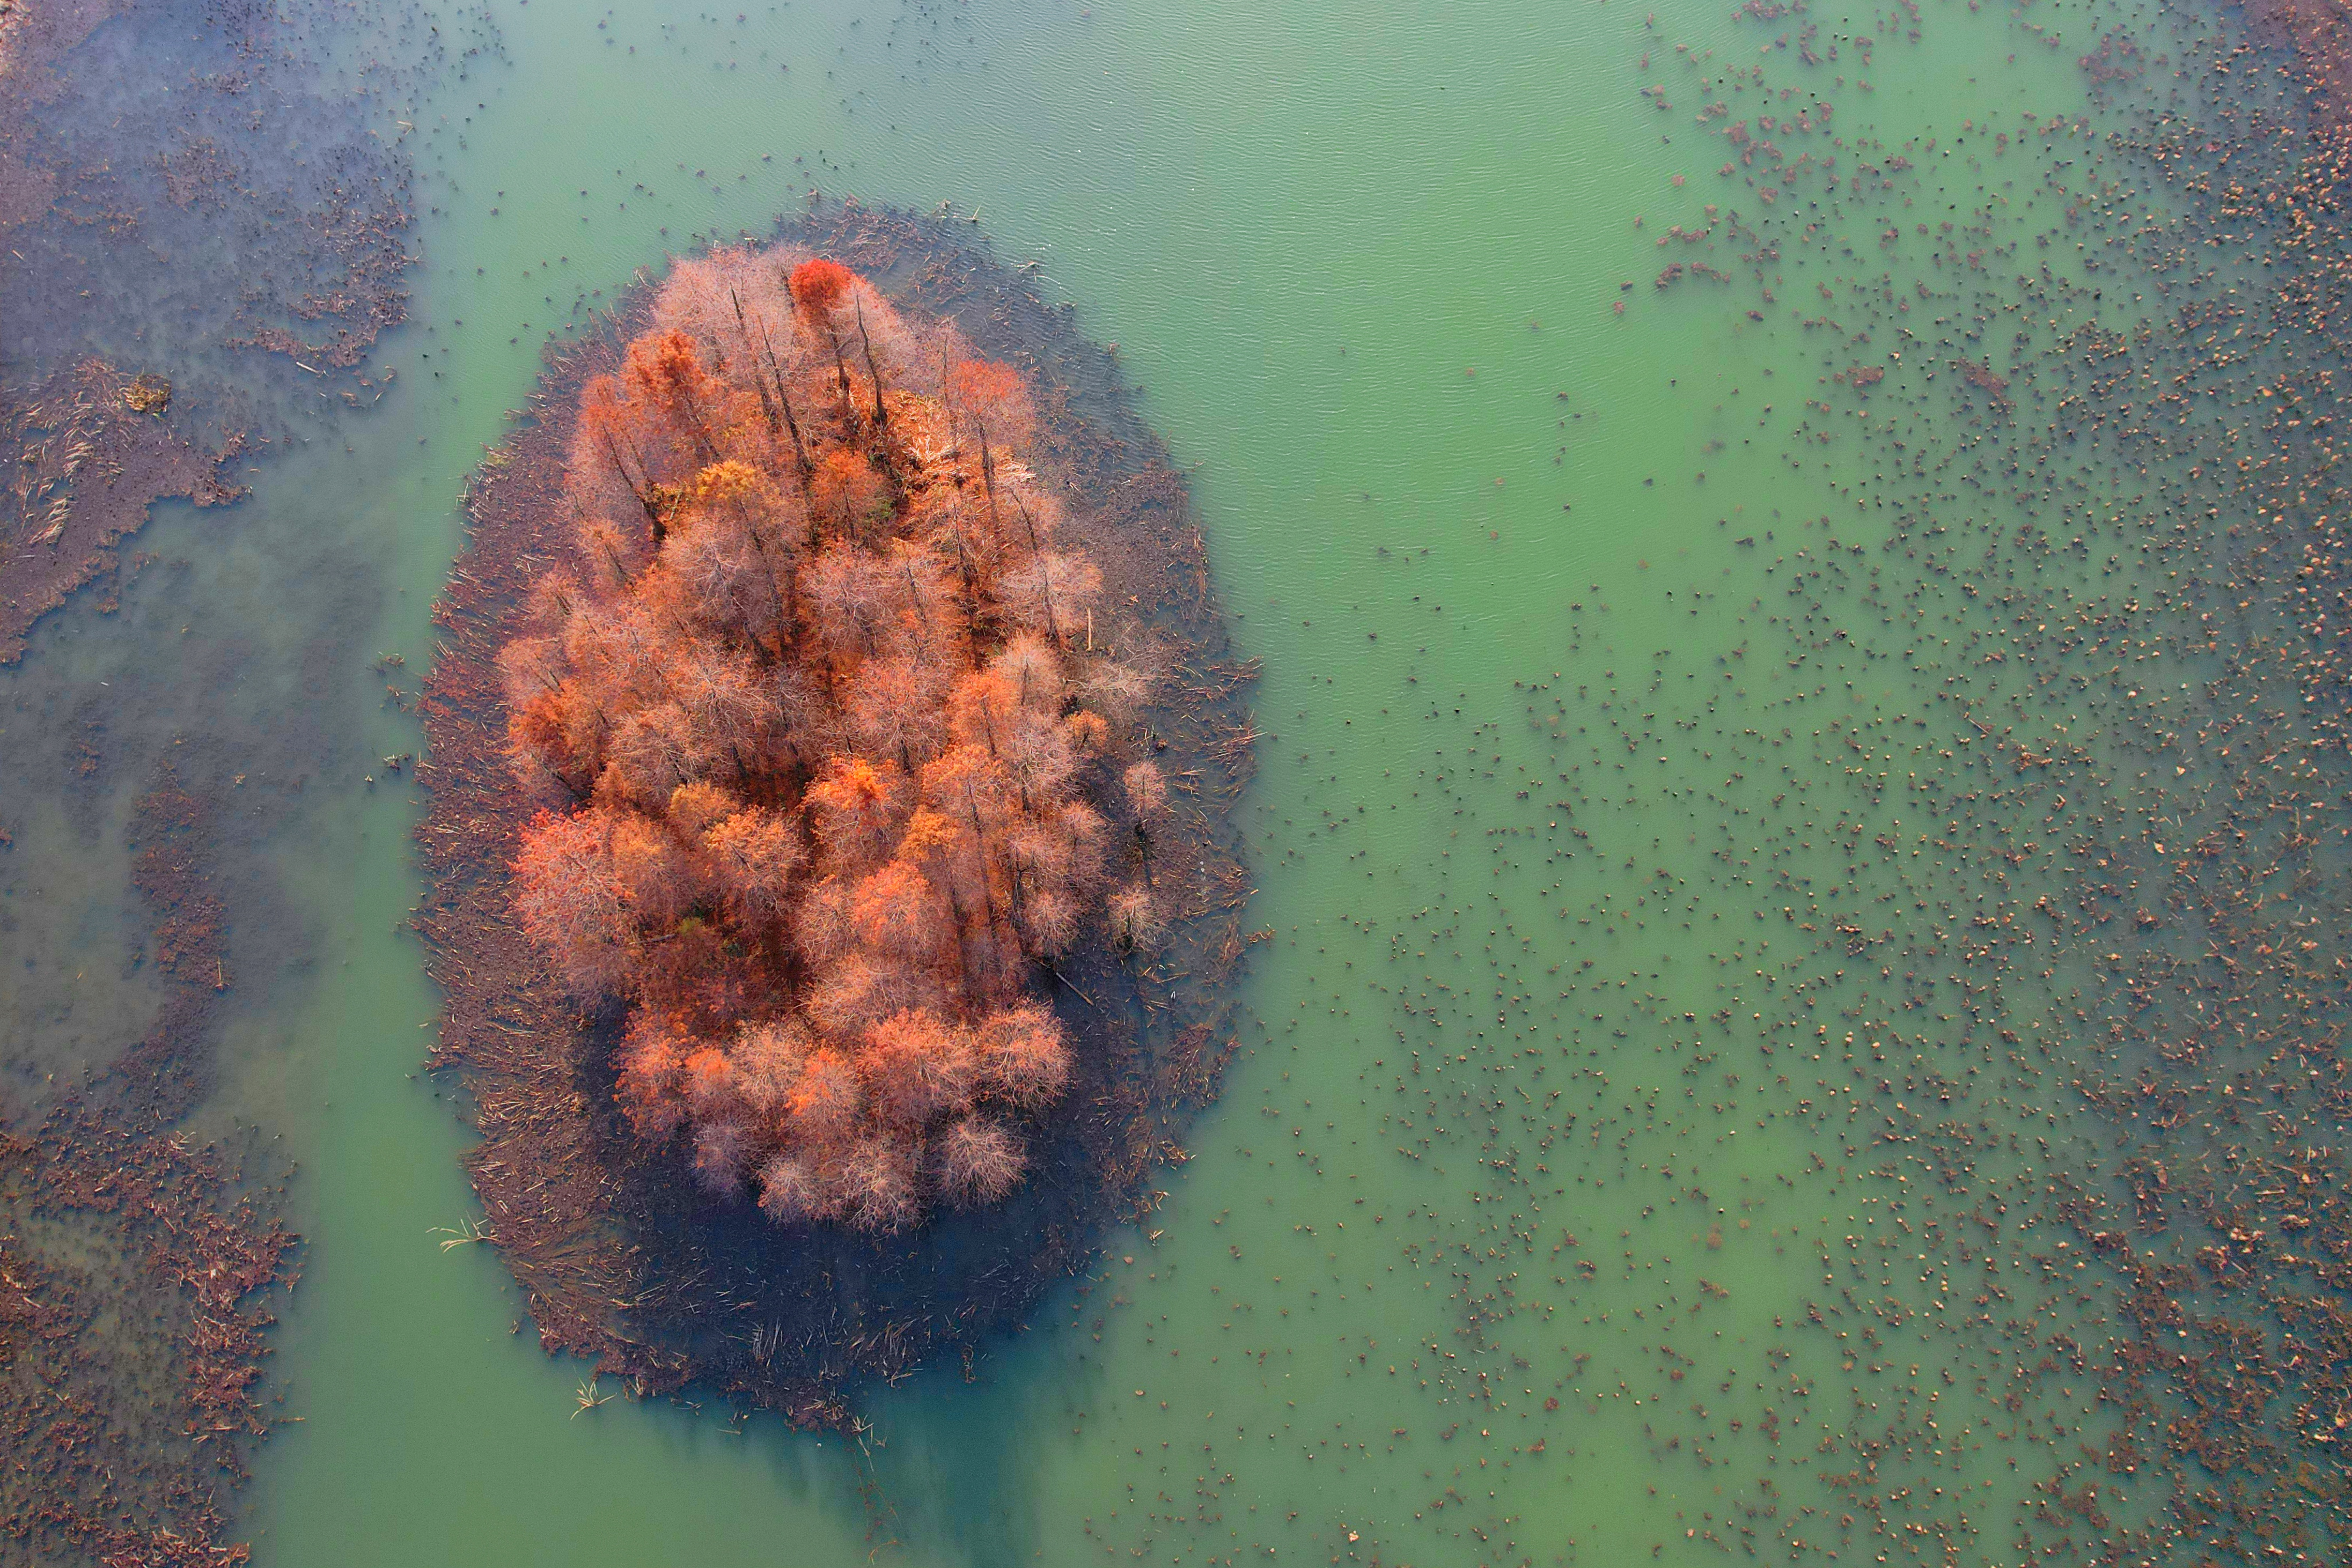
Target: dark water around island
{"points": [[1707, 815]]}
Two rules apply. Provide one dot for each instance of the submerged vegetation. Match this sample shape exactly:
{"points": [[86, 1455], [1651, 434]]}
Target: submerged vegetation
{"points": [[825, 795], [204, 222], [131, 373]]}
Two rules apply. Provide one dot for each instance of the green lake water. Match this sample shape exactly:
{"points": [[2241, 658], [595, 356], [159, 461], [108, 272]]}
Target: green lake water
{"points": [[1557, 1105]]}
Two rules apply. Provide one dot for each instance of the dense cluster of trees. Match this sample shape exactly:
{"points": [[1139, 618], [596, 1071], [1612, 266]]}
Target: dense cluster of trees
{"points": [[828, 766]]}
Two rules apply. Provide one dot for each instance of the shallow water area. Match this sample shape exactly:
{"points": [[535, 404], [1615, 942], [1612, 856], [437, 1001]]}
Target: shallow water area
{"points": [[1651, 1139]]}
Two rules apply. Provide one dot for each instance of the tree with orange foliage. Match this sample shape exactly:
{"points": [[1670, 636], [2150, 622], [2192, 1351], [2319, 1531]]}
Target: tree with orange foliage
{"points": [[570, 899], [819, 286], [665, 369], [830, 802], [848, 493], [986, 392], [607, 429]]}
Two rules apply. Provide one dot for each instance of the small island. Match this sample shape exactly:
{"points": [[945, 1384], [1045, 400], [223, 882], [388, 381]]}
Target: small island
{"points": [[832, 759]]}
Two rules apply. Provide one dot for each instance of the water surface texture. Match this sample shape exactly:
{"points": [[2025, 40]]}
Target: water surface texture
{"points": [[1710, 826]]}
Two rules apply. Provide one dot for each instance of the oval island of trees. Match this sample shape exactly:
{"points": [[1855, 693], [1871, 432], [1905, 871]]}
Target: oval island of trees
{"points": [[833, 748]]}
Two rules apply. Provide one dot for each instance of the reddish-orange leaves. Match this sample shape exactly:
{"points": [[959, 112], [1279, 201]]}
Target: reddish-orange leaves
{"points": [[856, 805], [755, 855], [1023, 1055], [653, 1060], [916, 1069], [896, 911], [985, 387], [665, 369], [819, 284], [571, 901], [847, 492], [826, 1101]]}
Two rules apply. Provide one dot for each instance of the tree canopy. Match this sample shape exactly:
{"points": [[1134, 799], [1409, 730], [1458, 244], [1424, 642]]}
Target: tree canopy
{"points": [[820, 793]]}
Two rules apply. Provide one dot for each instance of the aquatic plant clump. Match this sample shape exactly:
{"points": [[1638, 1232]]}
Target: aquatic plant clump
{"points": [[824, 796]]}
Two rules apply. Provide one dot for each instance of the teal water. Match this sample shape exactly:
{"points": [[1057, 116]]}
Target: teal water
{"points": [[1547, 1216]]}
